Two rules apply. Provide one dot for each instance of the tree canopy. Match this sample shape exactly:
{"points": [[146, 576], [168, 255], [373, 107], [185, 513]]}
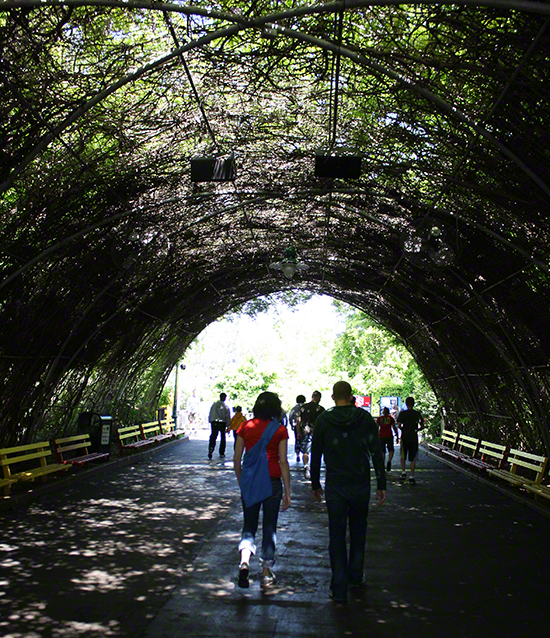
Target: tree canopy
{"points": [[113, 259]]}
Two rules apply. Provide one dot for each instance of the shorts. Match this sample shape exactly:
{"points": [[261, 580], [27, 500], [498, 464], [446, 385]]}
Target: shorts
{"points": [[386, 443], [409, 448], [305, 444]]}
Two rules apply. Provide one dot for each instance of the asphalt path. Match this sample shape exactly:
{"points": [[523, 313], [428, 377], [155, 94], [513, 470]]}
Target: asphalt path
{"points": [[149, 549]]}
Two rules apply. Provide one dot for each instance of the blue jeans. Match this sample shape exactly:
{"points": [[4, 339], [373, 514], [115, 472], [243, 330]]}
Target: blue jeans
{"points": [[271, 507], [349, 503]]}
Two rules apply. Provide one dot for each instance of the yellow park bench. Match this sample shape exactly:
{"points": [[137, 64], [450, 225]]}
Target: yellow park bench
{"points": [[525, 462], [26, 456], [130, 438], [491, 456], [538, 490], [152, 431], [80, 443], [448, 441], [167, 426], [466, 447]]}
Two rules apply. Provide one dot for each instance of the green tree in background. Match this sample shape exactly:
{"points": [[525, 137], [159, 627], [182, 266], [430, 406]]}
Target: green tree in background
{"points": [[244, 382], [291, 350], [375, 363]]}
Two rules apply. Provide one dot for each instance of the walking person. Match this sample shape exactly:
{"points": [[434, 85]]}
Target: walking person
{"points": [[386, 423], [236, 420], [220, 420], [304, 427], [293, 420], [410, 422], [192, 407], [347, 437], [264, 438]]}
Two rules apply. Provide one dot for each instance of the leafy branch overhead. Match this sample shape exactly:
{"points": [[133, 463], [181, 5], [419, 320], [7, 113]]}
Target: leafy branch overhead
{"points": [[113, 260]]}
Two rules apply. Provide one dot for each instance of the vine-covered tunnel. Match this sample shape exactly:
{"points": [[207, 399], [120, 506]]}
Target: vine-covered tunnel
{"points": [[399, 150]]}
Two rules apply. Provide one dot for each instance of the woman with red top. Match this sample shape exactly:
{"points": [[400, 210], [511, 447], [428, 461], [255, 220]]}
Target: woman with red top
{"points": [[385, 424], [267, 407]]}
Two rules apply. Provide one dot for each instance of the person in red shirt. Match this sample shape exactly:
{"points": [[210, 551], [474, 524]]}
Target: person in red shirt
{"points": [[385, 424], [267, 407]]}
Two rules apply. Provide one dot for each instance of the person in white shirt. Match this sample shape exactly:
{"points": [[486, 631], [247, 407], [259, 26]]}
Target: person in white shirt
{"points": [[220, 420]]}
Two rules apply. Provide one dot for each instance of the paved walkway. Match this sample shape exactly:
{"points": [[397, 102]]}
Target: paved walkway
{"points": [[150, 550]]}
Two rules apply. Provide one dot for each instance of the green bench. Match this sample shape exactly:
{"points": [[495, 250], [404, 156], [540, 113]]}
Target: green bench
{"points": [[27, 456], [538, 490]]}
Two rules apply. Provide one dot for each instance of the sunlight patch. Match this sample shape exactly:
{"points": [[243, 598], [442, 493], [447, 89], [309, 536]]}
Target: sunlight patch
{"points": [[99, 580], [75, 628]]}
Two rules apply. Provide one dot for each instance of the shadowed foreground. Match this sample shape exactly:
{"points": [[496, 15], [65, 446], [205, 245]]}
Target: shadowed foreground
{"points": [[150, 549]]}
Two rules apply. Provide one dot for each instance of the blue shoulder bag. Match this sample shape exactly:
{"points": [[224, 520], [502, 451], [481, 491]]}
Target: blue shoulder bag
{"points": [[255, 479]]}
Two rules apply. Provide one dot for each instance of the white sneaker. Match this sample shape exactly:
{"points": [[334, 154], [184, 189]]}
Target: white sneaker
{"points": [[268, 579], [307, 473]]}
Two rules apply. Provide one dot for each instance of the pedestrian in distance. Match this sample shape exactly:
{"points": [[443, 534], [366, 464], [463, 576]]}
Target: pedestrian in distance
{"points": [[192, 406], [264, 439], [386, 423], [304, 427], [347, 437], [220, 420], [293, 420], [236, 420], [410, 422]]}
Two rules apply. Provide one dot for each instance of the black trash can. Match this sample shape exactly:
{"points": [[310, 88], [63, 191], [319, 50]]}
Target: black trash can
{"points": [[98, 426]]}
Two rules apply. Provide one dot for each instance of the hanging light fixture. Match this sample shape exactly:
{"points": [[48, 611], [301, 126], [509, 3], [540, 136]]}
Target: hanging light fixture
{"points": [[289, 265], [431, 242]]}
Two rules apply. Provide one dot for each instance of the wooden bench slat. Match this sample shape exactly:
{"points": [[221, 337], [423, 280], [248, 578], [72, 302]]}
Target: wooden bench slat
{"points": [[538, 490], [12, 456], [132, 432], [512, 478], [24, 448], [77, 442], [74, 446], [448, 441], [526, 460], [88, 458], [24, 457], [30, 475]]}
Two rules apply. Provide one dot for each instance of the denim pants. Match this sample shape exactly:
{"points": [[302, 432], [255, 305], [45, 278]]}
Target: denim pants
{"points": [[347, 504], [271, 507]]}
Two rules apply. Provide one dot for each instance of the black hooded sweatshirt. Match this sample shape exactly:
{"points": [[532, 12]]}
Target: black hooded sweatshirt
{"points": [[347, 436]]}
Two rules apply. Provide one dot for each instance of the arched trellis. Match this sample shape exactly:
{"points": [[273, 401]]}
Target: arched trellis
{"points": [[270, 22], [328, 207]]}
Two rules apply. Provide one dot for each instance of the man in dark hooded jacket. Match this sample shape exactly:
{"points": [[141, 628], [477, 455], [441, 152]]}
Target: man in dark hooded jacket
{"points": [[347, 437]]}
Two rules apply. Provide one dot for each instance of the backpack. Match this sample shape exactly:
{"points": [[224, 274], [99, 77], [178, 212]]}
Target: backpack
{"points": [[255, 479]]}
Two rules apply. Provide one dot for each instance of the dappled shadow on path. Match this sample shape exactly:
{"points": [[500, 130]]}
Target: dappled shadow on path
{"points": [[151, 550], [100, 558]]}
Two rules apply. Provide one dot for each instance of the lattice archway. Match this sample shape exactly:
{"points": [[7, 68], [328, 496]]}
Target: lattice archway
{"points": [[113, 260]]}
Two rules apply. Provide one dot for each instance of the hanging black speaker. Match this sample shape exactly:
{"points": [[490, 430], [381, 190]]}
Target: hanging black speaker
{"points": [[337, 166], [212, 169]]}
